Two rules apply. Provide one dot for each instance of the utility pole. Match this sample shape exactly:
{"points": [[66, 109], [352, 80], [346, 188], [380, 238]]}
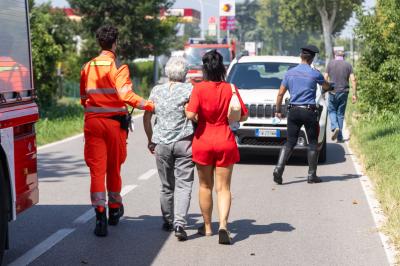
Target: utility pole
{"points": [[201, 19]]}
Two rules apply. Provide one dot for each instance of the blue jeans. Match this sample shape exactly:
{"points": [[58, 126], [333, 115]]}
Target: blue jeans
{"points": [[336, 109]]}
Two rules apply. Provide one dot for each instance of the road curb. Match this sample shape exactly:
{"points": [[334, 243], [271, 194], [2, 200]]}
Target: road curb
{"points": [[72, 138], [374, 205]]}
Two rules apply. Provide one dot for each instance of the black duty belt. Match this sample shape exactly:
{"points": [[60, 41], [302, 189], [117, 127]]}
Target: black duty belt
{"points": [[124, 120], [312, 107]]}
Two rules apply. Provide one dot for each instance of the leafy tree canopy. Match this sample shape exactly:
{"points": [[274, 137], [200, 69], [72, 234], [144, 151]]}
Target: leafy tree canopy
{"points": [[141, 31], [51, 40], [379, 64], [327, 16]]}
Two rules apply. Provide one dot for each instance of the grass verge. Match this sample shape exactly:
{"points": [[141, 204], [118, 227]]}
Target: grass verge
{"points": [[63, 120], [376, 139]]}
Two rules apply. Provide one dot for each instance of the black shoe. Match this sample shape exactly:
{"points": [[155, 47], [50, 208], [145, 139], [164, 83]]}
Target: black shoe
{"points": [[168, 227], [180, 233], [114, 214], [101, 223], [224, 237], [312, 177], [280, 166]]}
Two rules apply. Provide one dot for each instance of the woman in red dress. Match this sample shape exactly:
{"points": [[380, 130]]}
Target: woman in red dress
{"points": [[214, 147]]}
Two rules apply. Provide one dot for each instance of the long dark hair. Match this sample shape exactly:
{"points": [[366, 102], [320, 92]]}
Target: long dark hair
{"points": [[213, 66]]}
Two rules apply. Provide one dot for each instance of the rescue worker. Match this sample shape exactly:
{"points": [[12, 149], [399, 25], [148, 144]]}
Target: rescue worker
{"points": [[105, 90], [301, 81]]}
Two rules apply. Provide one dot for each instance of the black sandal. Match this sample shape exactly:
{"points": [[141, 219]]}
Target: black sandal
{"points": [[224, 237], [202, 231]]}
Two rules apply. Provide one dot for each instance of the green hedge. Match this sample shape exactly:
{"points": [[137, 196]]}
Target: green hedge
{"points": [[143, 77]]}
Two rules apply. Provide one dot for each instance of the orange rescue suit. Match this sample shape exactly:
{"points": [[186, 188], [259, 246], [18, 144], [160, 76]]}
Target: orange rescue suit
{"points": [[105, 90]]}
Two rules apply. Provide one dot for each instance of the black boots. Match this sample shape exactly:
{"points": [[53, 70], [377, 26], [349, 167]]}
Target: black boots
{"points": [[101, 222], [114, 214], [280, 166], [312, 157]]}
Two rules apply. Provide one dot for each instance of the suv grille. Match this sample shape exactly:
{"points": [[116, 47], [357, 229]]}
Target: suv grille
{"points": [[264, 110], [260, 141]]}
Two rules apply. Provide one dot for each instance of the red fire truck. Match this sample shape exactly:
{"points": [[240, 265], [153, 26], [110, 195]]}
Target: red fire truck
{"points": [[194, 52], [18, 114]]}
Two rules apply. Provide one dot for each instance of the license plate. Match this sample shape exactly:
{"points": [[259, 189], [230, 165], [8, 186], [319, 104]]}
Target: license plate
{"points": [[261, 132]]}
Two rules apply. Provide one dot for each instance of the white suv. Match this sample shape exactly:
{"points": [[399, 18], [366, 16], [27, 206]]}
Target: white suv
{"points": [[258, 79]]}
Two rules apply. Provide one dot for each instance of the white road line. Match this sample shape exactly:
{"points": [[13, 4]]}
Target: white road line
{"points": [[84, 218], [60, 142], [72, 138], [148, 174], [374, 205], [126, 189], [89, 214], [41, 248]]}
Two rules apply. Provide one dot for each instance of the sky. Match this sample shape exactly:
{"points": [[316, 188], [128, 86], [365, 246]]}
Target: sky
{"points": [[211, 9]]}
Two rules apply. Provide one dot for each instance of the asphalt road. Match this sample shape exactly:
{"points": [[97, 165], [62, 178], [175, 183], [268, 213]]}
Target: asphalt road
{"points": [[293, 224]]}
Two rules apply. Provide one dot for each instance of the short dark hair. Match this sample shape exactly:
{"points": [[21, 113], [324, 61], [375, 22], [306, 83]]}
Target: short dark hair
{"points": [[213, 66], [307, 57], [106, 36]]}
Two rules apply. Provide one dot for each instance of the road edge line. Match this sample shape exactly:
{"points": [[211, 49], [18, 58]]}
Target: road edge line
{"points": [[41, 248], [46, 146], [373, 203]]}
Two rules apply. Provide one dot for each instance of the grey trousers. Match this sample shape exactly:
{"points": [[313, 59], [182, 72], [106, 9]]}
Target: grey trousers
{"points": [[176, 171]]}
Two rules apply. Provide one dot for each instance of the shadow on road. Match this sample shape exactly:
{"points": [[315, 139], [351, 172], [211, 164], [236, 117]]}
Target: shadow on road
{"points": [[325, 179], [335, 154], [242, 229], [246, 228], [56, 165]]}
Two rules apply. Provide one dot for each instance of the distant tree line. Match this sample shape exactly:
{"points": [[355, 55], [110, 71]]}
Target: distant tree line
{"points": [[53, 35], [283, 25]]}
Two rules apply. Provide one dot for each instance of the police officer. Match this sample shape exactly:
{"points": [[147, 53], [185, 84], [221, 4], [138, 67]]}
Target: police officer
{"points": [[301, 81]]}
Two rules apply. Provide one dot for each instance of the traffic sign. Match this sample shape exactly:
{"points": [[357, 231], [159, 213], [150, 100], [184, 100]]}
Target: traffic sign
{"points": [[227, 8]]}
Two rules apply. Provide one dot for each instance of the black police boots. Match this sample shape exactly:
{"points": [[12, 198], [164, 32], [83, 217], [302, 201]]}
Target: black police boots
{"points": [[101, 222], [114, 214], [280, 166], [312, 177]]}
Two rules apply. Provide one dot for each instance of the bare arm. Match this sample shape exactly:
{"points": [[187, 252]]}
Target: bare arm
{"points": [[191, 116], [244, 117], [326, 76], [279, 99], [148, 129], [354, 87], [326, 86]]}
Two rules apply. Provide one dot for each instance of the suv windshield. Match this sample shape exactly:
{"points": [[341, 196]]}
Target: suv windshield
{"points": [[194, 55], [259, 75]]}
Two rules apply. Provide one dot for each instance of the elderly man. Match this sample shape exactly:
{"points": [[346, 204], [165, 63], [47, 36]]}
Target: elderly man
{"points": [[171, 141], [339, 72]]}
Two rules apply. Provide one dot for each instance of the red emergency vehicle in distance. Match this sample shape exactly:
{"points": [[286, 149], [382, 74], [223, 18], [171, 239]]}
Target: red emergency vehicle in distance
{"points": [[194, 51], [18, 114]]}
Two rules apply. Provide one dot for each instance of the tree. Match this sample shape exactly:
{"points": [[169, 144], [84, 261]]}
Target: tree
{"points": [[247, 26], [333, 14], [51, 39], [277, 38], [379, 65], [141, 31]]}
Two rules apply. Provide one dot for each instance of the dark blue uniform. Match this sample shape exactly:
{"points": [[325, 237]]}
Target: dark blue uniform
{"points": [[301, 82]]}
